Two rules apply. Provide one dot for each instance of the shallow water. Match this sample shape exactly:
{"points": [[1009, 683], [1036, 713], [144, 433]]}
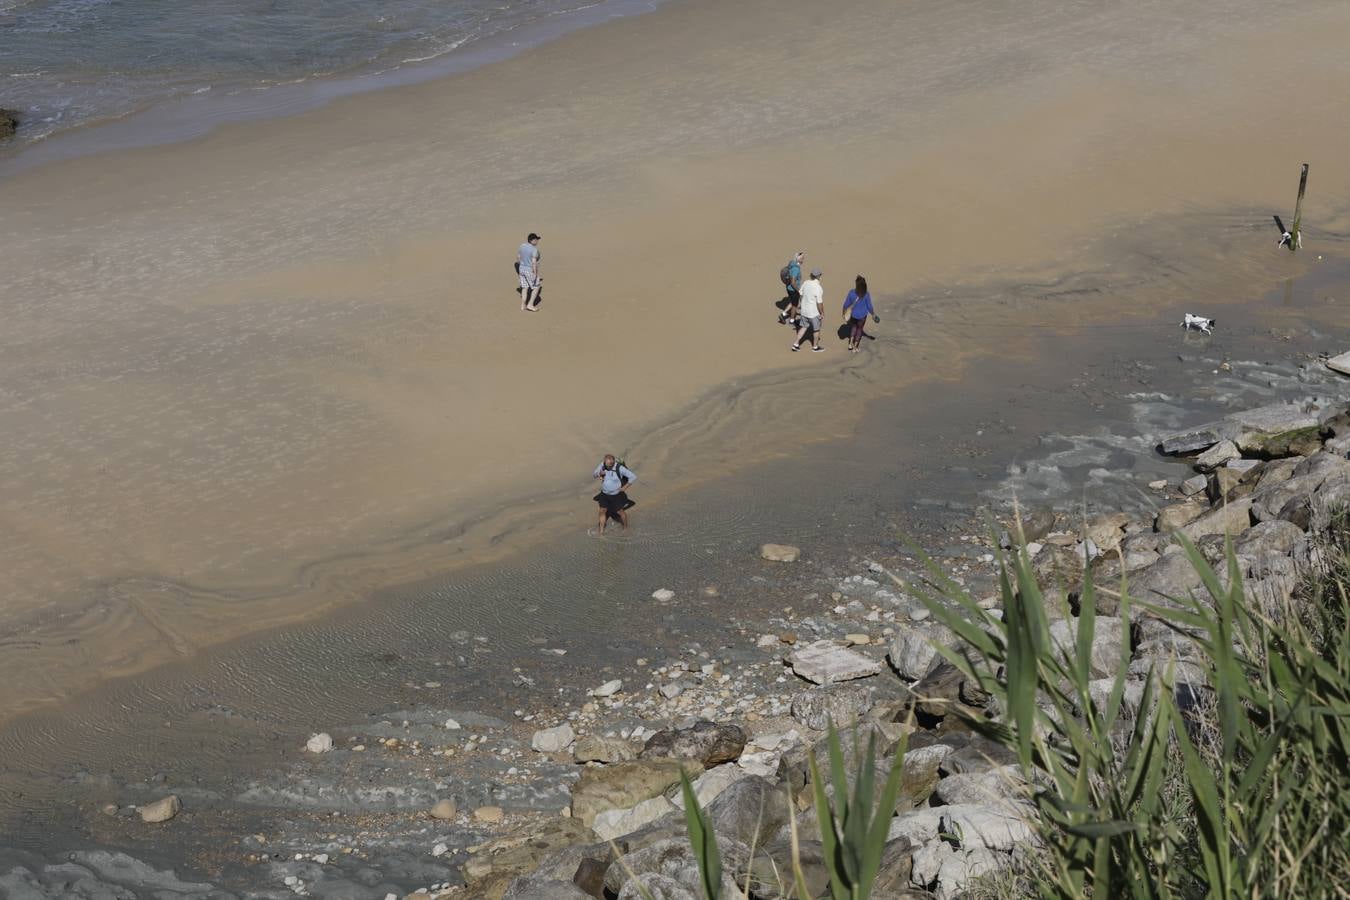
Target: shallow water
{"points": [[68, 63]]}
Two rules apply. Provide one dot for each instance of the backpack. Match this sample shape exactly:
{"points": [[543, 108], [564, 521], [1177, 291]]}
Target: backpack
{"points": [[619, 466], [785, 275]]}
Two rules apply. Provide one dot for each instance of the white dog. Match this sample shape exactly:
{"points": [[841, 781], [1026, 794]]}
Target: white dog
{"points": [[1198, 323]]}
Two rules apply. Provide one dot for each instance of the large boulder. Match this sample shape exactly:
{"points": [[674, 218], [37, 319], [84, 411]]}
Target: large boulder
{"points": [[526, 887], [913, 651], [1296, 442], [1000, 827], [991, 787], [1178, 515], [1217, 455], [1110, 643], [710, 743], [750, 811], [597, 748], [1231, 518], [624, 785], [672, 858], [614, 823], [842, 704], [519, 853]]}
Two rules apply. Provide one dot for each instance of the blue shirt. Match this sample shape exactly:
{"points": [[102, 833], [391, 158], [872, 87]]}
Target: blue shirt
{"points": [[527, 256], [613, 484], [862, 306]]}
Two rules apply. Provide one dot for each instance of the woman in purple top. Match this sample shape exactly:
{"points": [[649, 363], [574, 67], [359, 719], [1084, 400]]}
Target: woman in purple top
{"points": [[857, 307]]}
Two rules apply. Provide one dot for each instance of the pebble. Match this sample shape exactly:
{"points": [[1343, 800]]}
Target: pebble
{"points": [[440, 850], [663, 595], [858, 638], [608, 689], [452, 725], [444, 809], [1159, 485], [319, 743], [489, 814]]}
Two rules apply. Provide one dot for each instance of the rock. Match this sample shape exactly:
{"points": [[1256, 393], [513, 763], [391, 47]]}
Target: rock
{"points": [[614, 823], [655, 886], [959, 869], [444, 809], [1194, 485], [780, 552], [319, 743], [978, 755], [1296, 442], [1273, 536], [920, 775], [893, 875], [110, 809], [1225, 485], [624, 785], [440, 849], [920, 825], [945, 687], [707, 742], [527, 888], [1178, 515], [1190, 442], [1158, 485], [671, 690], [1273, 419], [857, 639], [766, 641], [161, 810], [553, 740], [826, 662], [595, 748], [1110, 645], [1107, 531], [992, 828], [913, 651], [608, 689], [664, 595], [1340, 363], [521, 852], [1038, 524], [1232, 518], [672, 859], [9, 123], [1217, 455], [842, 704], [709, 785], [750, 811], [990, 788], [489, 814]]}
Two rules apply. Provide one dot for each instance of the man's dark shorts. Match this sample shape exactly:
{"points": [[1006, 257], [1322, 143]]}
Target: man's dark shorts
{"points": [[613, 504]]}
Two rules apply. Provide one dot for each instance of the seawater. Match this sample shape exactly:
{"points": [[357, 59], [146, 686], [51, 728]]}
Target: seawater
{"points": [[65, 63]]}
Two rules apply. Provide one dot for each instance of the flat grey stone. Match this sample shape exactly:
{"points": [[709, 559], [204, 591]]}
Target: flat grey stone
{"points": [[827, 662]]}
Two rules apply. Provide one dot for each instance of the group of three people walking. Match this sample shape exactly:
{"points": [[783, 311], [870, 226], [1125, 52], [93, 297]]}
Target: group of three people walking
{"points": [[806, 300]]}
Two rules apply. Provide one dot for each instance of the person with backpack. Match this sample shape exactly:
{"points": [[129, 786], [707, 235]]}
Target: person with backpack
{"points": [[813, 296], [613, 498], [527, 267], [857, 307], [791, 276]]}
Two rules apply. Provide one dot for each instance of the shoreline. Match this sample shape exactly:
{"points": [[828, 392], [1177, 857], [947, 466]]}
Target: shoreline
{"points": [[181, 117]]}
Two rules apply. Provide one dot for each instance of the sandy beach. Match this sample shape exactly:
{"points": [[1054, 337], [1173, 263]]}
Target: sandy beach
{"points": [[256, 376]]}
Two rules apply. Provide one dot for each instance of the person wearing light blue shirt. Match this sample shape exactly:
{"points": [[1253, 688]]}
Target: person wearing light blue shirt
{"points": [[613, 499]]}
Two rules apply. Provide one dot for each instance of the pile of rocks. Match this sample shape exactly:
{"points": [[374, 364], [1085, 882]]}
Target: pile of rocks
{"points": [[1270, 479]]}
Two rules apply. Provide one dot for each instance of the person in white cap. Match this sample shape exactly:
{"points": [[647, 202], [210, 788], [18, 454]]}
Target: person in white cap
{"points": [[813, 295]]}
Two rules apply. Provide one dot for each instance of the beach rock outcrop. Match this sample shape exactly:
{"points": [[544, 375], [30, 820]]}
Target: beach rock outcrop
{"points": [[596, 748]]}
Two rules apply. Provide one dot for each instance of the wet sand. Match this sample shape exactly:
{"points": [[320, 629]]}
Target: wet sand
{"points": [[253, 377]]}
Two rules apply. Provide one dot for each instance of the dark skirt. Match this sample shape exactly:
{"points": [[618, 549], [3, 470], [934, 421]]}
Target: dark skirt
{"points": [[614, 503]]}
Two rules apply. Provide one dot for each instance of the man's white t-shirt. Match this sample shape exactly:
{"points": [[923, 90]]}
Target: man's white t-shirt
{"points": [[812, 296]]}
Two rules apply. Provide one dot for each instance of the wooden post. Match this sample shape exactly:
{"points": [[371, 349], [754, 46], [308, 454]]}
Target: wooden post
{"points": [[1295, 240]]}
